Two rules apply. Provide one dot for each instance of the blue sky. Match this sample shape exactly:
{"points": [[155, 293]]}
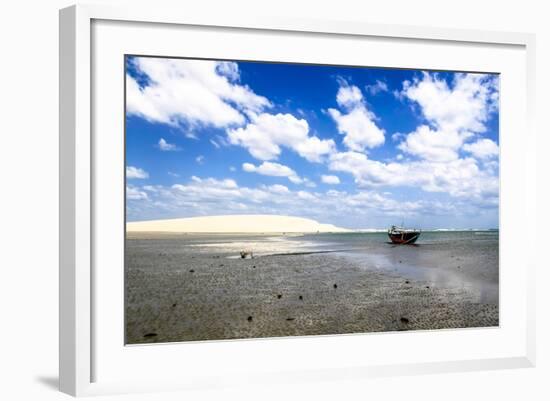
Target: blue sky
{"points": [[352, 146]]}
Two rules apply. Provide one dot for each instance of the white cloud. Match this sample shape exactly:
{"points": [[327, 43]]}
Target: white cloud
{"points": [[466, 105], [133, 193], [190, 92], [482, 149], [397, 136], [455, 113], [228, 69], [308, 183], [211, 189], [349, 96], [199, 159], [136, 173], [377, 87], [295, 179], [210, 196], [267, 133], [458, 178], [306, 195], [330, 179], [274, 170], [434, 145], [165, 146], [357, 124], [278, 189]]}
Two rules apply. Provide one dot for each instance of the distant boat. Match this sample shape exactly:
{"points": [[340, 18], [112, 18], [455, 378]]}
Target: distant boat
{"points": [[402, 236]]}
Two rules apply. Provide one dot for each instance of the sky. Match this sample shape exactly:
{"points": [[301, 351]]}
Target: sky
{"points": [[356, 147]]}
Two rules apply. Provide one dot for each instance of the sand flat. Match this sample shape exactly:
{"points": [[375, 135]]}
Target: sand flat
{"points": [[192, 287]]}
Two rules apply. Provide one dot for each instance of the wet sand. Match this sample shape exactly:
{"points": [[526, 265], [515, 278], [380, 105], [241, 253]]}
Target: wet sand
{"points": [[194, 287]]}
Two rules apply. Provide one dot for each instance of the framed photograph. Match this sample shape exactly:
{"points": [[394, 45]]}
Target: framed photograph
{"points": [[274, 200]]}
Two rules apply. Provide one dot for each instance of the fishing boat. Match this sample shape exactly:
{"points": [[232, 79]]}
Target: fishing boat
{"points": [[403, 236]]}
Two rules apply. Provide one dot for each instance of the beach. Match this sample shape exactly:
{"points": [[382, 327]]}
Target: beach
{"points": [[189, 287]]}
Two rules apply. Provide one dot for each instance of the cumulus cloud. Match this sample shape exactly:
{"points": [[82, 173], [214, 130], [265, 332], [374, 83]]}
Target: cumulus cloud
{"points": [[330, 179], [136, 173], [434, 145], [165, 146], [278, 189], [454, 113], [465, 105], [133, 193], [190, 93], [459, 178], [273, 170], [356, 123], [377, 87], [267, 133], [348, 96], [482, 149]]}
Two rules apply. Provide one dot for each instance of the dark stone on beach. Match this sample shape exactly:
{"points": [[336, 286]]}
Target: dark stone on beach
{"points": [[458, 267], [428, 286], [249, 318], [174, 305], [399, 261], [279, 296], [289, 319], [335, 286], [221, 265], [404, 320], [149, 335], [253, 267], [300, 297], [407, 282], [191, 271]]}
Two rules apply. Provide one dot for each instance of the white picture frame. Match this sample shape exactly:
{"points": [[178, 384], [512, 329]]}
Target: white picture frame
{"points": [[78, 220]]}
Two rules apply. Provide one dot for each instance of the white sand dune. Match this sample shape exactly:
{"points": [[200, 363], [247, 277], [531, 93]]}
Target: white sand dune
{"points": [[234, 224]]}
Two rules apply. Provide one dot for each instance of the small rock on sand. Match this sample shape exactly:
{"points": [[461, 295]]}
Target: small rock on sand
{"points": [[335, 286], [289, 319], [249, 318], [191, 271], [279, 296], [149, 335], [404, 320], [300, 297], [407, 282]]}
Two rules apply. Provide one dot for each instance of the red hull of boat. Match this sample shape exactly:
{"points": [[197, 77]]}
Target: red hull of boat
{"points": [[404, 238]]}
